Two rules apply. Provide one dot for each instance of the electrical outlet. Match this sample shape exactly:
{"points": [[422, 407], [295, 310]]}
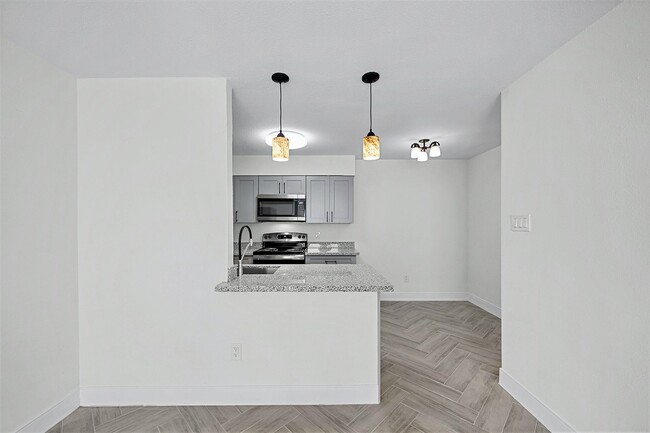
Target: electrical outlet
{"points": [[520, 223], [406, 278], [235, 352]]}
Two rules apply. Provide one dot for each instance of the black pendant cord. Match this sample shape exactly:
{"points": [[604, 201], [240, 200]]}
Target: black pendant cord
{"points": [[280, 108], [370, 107]]}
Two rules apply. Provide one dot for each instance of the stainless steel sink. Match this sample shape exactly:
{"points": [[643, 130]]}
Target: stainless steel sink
{"points": [[259, 270]]}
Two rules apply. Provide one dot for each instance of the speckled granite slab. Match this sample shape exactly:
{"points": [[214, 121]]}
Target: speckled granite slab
{"points": [[331, 249], [308, 278]]}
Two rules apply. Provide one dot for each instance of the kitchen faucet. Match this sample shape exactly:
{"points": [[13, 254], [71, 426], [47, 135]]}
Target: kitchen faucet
{"points": [[240, 268]]}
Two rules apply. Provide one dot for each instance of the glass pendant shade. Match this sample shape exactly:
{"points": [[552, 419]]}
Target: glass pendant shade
{"points": [[434, 152], [422, 157], [370, 147], [415, 152], [280, 149]]}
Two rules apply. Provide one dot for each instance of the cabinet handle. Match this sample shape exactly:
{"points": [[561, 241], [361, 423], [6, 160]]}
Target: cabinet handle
{"points": [[327, 216], [279, 189], [284, 185], [236, 215]]}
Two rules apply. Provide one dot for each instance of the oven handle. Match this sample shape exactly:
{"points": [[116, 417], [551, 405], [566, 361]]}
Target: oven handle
{"points": [[296, 257]]}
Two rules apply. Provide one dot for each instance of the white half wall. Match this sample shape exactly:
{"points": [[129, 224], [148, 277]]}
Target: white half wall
{"points": [[484, 227], [410, 219], [155, 229], [575, 297], [39, 332]]}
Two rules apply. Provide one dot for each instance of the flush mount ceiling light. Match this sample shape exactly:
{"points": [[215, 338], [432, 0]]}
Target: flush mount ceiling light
{"points": [[280, 143], [296, 139], [419, 151], [370, 141]]}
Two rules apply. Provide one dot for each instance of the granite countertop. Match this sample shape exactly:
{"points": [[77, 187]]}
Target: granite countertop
{"points": [[308, 278], [331, 249]]}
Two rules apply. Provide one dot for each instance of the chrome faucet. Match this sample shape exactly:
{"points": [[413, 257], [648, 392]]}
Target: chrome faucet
{"points": [[240, 268]]}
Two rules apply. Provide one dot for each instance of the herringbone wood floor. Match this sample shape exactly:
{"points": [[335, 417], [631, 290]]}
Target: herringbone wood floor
{"points": [[439, 369]]}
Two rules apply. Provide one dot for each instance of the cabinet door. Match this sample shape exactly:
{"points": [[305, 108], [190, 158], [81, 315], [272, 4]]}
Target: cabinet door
{"points": [[270, 184], [245, 200], [341, 199], [293, 185], [318, 199]]}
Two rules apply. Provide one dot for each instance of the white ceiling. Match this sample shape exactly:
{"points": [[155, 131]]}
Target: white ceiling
{"points": [[442, 64]]}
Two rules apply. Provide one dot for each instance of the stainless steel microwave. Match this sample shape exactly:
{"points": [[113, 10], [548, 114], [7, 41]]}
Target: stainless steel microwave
{"points": [[281, 207]]}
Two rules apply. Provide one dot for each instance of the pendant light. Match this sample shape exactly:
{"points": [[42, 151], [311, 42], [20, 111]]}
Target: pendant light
{"points": [[370, 141], [280, 143]]}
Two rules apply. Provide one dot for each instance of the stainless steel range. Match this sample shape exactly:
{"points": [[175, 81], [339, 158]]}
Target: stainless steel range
{"points": [[279, 248]]}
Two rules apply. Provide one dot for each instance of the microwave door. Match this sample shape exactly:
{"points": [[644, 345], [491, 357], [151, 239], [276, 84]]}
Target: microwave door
{"points": [[280, 208], [275, 208]]}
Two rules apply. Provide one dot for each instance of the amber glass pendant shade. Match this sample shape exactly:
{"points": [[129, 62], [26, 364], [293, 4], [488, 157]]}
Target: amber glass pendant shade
{"points": [[280, 149], [370, 147]]}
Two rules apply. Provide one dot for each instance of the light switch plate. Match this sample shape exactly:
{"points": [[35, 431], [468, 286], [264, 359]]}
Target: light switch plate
{"points": [[520, 223], [235, 351]]}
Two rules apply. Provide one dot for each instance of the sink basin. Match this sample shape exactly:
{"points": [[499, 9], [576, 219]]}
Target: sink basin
{"points": [[259, 270]]}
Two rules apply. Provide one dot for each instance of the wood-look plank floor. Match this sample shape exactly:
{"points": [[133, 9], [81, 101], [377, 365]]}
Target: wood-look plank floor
{"points": [[439, 370]]}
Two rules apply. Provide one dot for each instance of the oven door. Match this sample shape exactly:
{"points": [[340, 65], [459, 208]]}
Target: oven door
{"points": [[281, 207]]}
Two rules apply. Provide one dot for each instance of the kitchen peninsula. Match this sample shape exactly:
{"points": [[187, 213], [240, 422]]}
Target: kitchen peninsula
{"points": [[302, 334]]}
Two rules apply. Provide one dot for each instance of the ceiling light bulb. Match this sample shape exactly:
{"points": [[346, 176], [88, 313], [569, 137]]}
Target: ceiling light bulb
{"points": [[422, 156], [415, 152], [435, 151]]}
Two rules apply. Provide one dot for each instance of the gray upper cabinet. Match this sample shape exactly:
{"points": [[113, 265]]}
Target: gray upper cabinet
{"points": [[245, 200], [330, 199], [293, 184], [270, 184], [282, 185], [341, 199], [318, 196]]}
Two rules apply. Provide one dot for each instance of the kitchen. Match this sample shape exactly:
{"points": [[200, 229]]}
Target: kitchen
{"points": [[140, 139]]}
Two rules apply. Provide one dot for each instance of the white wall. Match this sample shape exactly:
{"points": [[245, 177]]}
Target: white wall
{"points": [[254, 165], [40, 345], [155, 223], [575, 133], [484, 226], [410, 219]]}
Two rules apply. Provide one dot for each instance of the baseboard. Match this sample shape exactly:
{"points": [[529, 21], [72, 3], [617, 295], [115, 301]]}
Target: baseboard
{"points": [[53, 415], [228, 395], [486, 305], [442, 296], [539, 410], [424, 296]]}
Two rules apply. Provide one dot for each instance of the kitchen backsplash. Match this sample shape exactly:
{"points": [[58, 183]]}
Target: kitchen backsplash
{"points": [[315, 232]]}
